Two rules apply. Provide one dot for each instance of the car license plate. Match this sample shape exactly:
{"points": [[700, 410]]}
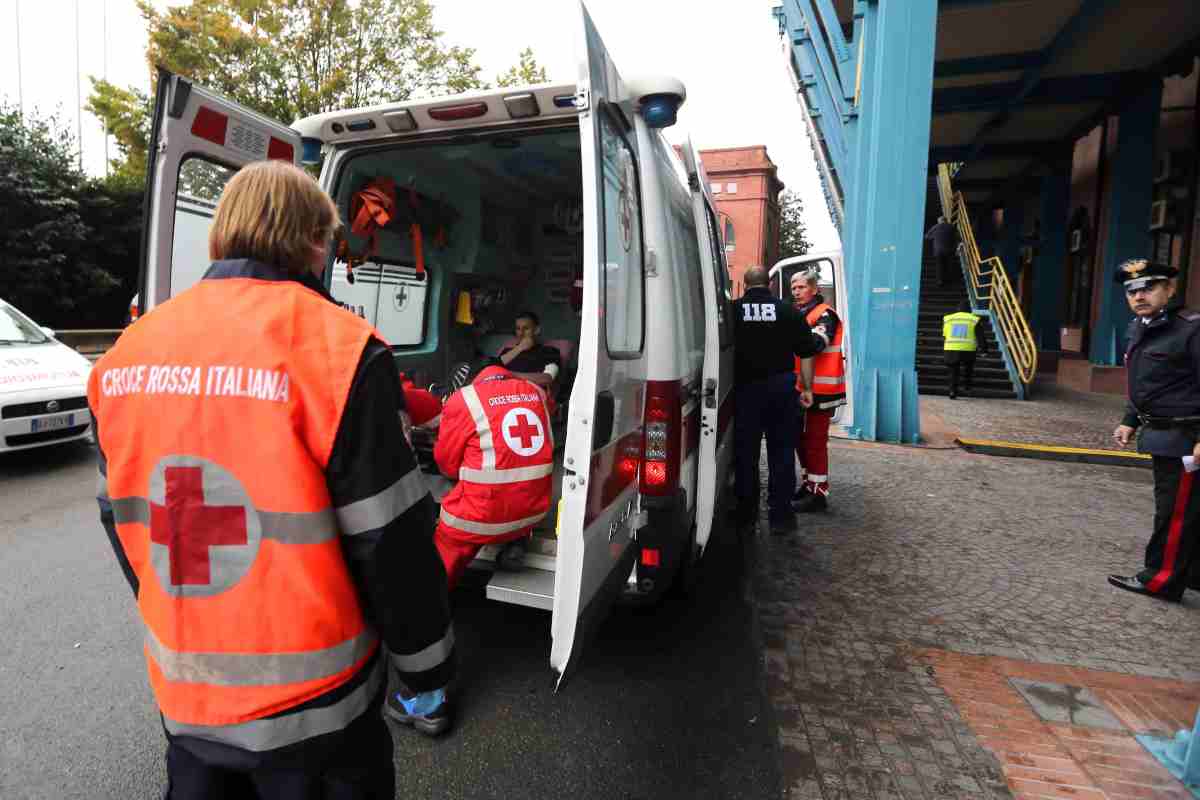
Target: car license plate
{"points": [[52, 423]]}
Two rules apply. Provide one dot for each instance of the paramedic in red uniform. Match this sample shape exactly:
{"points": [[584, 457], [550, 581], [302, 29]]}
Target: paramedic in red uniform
{"points": [[269, 517], [495, 440], [821, 397]]}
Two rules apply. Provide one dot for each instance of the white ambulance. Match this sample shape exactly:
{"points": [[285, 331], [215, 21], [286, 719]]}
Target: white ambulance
{"points": [[562, 199]]}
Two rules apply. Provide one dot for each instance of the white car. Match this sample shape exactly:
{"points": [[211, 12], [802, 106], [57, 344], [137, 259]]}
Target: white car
{"points": [[43, 385]]}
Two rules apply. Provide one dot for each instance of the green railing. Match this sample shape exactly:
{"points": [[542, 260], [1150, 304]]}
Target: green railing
{"points": [[989, 285]]}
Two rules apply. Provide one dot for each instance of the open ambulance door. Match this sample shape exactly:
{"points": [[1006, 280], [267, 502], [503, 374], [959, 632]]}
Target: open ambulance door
{"points": [[599, 505], [716, 410], [198, 141]]}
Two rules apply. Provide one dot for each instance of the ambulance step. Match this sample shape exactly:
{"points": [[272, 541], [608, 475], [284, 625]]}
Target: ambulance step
{"points": [[526, 587]]}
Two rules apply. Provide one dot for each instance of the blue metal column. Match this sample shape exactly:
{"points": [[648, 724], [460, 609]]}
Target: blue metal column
{"points": [[1009, 246], [1128, 220], [1050, 263], [885, 210]]}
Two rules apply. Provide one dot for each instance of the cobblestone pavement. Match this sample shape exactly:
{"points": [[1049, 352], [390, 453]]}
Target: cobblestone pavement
{"points": [[1057, 415], [941, 551]]}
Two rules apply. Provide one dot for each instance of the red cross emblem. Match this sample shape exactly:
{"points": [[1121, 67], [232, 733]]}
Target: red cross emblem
{"points": [[204, 531], [523, 431], [188, 527]]}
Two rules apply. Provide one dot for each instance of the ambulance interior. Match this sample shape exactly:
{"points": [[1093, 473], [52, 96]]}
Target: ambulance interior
{"points": [[500, 218]]}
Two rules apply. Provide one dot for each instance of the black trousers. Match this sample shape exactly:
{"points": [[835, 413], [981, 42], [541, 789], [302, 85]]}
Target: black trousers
{"points": [[355, 763], [961, 363], [1173, 554], [945, 268], [766, 406]]}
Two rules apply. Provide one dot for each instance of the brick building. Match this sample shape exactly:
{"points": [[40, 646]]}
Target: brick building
{"points": [[746, 190]]}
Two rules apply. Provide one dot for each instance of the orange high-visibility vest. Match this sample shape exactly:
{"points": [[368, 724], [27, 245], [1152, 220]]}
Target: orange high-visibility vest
{"points": [[495, 438], [217, 415], [829, 366]]}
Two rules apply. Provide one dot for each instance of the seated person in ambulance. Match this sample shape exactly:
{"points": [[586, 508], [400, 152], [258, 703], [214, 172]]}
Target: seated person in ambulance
{"points": [[495, 439], [529, 358]]}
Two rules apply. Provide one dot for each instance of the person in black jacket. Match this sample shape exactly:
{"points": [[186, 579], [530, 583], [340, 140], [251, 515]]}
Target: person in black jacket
{"points": [[769, 334], [1163, 364]]}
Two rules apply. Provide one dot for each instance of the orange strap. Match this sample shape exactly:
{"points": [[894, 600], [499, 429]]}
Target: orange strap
{"points": [[371, 208]]}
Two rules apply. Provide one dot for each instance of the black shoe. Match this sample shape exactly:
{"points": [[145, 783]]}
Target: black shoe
{"points": [[953, 396], [434, 723], [811, 503], [801, 493], [512, 556], [783, 526], [1132, 583]]}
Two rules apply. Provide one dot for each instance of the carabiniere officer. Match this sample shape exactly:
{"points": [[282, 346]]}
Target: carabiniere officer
{"points": [[1163, 368]]}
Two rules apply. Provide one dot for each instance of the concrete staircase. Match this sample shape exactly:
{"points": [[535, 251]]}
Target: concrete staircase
{"points": [[991, 377]]}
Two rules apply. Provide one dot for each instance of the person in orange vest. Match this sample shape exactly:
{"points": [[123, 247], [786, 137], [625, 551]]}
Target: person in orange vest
{"points": [[820, 396], [495, 440], [260, 497]]}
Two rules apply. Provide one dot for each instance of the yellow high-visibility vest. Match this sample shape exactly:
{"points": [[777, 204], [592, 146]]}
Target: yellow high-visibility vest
{"points": [[959, 331]]}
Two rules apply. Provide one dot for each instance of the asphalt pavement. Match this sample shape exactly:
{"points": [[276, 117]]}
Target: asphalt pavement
{"points": [[668, 703]]}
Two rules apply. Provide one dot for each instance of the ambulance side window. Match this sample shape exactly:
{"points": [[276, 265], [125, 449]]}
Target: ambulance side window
{"points": [[622, 262], [724, 323], [200, 185]]}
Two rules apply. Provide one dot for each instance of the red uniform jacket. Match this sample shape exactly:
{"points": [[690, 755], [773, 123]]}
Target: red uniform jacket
{"points": [[495, 439]]}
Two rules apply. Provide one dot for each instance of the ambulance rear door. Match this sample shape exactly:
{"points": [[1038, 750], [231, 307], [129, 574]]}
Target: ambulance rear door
{"points": [[599, 506], [716, 409], [198, 140]]}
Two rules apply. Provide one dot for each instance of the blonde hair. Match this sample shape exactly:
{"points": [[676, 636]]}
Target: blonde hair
{"points": [[271, 211]]}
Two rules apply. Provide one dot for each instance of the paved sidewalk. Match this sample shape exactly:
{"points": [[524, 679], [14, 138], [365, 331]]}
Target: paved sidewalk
{"points": [[1056, 416], [900, 626]]}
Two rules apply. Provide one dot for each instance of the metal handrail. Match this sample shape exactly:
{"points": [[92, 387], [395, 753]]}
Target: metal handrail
{"points": [[990, 283]]}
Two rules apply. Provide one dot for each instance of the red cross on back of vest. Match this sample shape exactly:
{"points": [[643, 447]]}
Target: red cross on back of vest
{"points": [[204, 531], [188, 527]]}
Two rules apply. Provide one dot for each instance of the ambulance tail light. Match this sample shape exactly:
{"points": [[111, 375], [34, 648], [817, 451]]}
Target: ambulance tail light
{"points": [[661, 439], [458, 112]]}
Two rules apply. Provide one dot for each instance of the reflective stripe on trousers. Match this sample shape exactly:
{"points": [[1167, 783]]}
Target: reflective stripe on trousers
{"points": [[489, 528], [268, 734], [428, 658]]}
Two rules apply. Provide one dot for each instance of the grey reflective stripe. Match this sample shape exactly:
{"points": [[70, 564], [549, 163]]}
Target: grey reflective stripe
{"points": [[268, 734], [258, 669], [833, 348], [489, 528], [502, 476], [428, 658], [828, 381], [287, 527], [376, 511], [471, 397], [128, 510], [311, 527]]}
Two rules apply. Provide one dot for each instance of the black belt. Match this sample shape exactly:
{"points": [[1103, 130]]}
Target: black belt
{"points": [[1169, 422]]}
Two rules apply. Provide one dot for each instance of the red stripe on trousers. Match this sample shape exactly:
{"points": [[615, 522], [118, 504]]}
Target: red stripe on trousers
{"points": [[1174, 532]]}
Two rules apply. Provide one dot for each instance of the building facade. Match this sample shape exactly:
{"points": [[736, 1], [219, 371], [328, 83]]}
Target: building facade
{"points": [[746, 189]]}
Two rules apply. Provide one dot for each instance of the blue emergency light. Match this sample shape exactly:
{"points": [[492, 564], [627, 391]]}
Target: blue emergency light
{"points": [[311, 150], [659, 110]]}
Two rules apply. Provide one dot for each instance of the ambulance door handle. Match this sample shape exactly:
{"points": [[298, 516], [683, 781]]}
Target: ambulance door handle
{"points": [[710, 393], [602, 430]]}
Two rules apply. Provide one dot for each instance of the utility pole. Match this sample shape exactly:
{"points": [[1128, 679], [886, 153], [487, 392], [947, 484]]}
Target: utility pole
{"points": [[104, 72], [78, 103], [20, 86]]}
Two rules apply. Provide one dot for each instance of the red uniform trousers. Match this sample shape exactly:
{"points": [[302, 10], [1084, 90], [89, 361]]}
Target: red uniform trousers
{"points": [[812, 449], [457, 553]]}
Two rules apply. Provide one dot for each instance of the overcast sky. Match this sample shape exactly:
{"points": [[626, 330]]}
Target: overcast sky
{"points": [[728, 54]]}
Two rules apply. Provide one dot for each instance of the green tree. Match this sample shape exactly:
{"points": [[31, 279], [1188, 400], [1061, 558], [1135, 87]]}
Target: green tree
{"points": [[792, 228], [48, 266], [525, 72], [290, 58]]}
